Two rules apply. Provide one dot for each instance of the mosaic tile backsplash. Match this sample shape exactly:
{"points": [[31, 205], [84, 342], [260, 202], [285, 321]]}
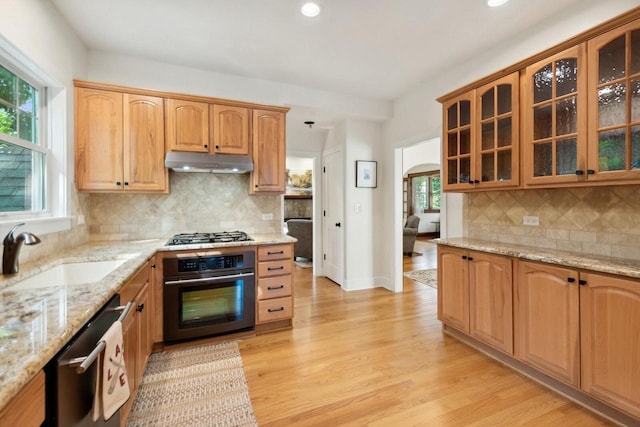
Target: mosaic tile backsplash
{"points": [[590, 220], [197, 202]]}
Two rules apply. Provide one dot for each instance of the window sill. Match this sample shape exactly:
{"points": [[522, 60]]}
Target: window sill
{"points": [[38, 226]]}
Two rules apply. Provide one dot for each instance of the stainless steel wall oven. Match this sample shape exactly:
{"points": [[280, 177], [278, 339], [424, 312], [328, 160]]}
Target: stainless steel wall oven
{"points": [[208, 294]]}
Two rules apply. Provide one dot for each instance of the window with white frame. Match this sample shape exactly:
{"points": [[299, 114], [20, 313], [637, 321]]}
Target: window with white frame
{"points": [[23, 151]]}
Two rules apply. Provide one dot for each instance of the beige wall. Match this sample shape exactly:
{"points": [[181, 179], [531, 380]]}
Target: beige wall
{"points": [[594, 220], [197, 202]]}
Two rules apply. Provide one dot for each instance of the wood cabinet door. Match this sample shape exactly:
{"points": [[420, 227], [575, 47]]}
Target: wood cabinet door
{"points": [[491, 300], [610, 340], [130, 340], [459, 138], [229, 129], [187, 125], [453, 287], [497, 122], [614, 116], [268, 152], [144, 144], [98, 140], [547, 320], [143, 315], [555, 119]]}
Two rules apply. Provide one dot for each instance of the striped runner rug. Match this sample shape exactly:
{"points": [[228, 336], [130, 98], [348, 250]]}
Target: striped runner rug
{"points": [[198, 386]]}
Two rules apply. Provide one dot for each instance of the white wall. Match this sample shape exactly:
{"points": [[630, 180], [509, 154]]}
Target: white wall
{"points": [[34, 32], [363, 247]]}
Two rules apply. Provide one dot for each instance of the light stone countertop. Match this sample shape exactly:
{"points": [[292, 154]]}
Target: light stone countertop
{"points": [[602, 264], [35, 324]]}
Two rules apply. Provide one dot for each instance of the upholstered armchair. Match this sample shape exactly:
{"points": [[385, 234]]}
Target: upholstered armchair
{"points": [[301, 229], [409, 234]]}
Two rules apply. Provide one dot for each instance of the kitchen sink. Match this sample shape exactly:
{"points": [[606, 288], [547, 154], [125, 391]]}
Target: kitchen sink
{"points": [[73, 273]]}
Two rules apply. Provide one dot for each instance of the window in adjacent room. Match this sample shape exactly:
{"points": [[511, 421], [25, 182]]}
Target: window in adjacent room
{"points": [[424, 192], [23, 152]]}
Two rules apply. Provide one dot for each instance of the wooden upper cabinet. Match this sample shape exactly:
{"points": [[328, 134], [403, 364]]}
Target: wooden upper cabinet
{"points": [[497, 148], [229, 129], [144, 144], [99, 138], [459, 137], [614, 103], [119, 142], [491, 300], [547, 320], [555, 113], [187, 125], [269, 153], [610, 330]]}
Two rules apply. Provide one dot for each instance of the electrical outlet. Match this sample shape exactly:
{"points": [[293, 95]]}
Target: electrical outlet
{"points": [[80, 219], [531, 220], [267, 217]]}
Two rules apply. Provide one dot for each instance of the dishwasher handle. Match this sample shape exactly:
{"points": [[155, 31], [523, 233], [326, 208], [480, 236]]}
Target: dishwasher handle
{"points": [[83, 363]]}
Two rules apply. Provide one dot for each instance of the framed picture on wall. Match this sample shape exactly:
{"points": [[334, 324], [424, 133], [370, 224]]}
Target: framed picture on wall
{"points": [[366, 174]]}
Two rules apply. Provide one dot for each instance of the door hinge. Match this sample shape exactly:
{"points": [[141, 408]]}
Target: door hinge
{"points": [[324, 213], [324, 257], [324, 169]]}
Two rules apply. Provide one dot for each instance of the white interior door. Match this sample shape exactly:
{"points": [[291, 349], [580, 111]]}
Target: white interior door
{"points": [[333, 216]]}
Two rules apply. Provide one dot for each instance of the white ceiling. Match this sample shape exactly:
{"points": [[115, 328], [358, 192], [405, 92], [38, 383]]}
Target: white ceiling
{"points": [[372, 48]]}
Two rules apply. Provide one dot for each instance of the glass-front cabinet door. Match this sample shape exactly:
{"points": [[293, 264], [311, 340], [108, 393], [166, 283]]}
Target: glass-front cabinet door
{"points": [[554, 119], [497, 148], [614, 102], [459, 134]]}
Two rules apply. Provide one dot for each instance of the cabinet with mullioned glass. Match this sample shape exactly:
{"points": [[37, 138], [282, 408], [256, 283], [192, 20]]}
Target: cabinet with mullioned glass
{"points": [[614, 103], [554, 119], [481, 127]]}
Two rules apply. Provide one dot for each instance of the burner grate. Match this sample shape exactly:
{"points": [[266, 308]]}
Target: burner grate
{"points": [[199, 238]]}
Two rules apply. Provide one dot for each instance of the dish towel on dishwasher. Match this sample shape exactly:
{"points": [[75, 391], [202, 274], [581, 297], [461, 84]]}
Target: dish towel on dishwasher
{"points": [[112, 385]]}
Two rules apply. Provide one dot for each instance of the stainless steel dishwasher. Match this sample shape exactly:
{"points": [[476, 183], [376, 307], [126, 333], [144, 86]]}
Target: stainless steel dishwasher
{"points": [[71, 375]]}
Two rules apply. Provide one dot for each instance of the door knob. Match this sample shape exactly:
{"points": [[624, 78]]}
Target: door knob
{"points": [[337, 224]]}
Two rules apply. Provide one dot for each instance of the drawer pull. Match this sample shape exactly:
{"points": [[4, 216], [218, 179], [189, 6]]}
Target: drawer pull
{"points": [[274, 288], [275, 268], [275, 253], [273, 310]]}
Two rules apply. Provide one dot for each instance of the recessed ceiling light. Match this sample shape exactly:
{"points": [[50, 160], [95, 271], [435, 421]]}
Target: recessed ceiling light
{"points": [[496, 3], [310, 9]]}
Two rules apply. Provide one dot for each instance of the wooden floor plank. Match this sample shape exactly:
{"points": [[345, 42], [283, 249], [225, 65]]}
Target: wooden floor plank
{"points": [[379, 358]]}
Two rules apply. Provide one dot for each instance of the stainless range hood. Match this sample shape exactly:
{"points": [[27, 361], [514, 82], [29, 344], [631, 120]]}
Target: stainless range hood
{"points": [[210, 163]]}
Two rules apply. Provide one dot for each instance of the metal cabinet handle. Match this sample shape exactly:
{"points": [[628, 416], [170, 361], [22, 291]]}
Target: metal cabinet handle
{"points": [[579, 172], [140, 308], [273, 310], [275, 268], [275, 253], [274, 288], [571, 279]]}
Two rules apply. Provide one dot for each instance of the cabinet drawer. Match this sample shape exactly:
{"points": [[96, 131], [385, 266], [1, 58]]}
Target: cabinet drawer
{"points": [[275, 268], [274, 287], [275, 309], [130, 289], [268, 253]]}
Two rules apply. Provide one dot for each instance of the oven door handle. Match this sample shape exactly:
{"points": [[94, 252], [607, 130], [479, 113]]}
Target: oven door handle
{"points": [[208, 279]]}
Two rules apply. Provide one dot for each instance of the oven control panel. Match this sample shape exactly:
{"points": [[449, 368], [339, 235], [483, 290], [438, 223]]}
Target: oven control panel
{"points": [[210, 263]]}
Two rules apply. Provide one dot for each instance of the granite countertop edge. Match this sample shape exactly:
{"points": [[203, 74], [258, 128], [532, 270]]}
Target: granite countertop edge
{"points": [[597, 263], [16, 369]]}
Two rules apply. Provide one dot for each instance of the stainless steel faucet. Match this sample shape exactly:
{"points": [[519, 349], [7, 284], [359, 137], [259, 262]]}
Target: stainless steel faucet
{"points": [[12, 246]]}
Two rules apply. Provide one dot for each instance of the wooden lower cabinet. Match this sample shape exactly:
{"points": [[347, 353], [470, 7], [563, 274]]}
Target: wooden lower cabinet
{"points": [[547, 320], [491, 300], [27, 408], [274, 284], [475, 295], [137, 333], [453, 288], [610, 340], [580, 328]]}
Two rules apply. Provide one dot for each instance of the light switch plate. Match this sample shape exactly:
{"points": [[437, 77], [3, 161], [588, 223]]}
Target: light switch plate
{"points": [[267, 217], [531, 220]]}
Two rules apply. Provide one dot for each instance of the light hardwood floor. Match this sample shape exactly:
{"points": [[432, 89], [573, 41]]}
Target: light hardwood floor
{"points": [[377, 358]]}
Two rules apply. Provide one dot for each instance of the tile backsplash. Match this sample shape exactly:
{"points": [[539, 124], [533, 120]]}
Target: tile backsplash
{"points": [[199, 202], [590, 220]]}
